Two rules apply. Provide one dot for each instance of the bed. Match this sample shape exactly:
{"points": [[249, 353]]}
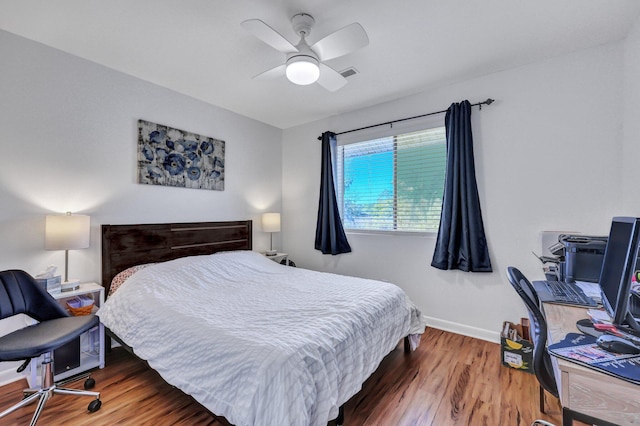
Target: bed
{"points": [[251, 340]]}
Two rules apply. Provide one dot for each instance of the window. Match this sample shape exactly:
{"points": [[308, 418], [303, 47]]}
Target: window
{"points": [[393, 183]]}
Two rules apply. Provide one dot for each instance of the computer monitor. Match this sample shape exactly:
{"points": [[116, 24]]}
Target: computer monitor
{"points": [[618, 267], [624, 317]]}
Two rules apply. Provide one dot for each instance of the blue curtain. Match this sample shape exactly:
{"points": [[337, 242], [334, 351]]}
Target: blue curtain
{"points": [[330, 236], [461, 242]]}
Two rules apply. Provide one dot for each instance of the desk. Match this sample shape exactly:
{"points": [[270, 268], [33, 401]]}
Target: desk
{"points": [[583, 390]]}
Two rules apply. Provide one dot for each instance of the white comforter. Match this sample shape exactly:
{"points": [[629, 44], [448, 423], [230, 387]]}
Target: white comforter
{"points": [[258, 342]]}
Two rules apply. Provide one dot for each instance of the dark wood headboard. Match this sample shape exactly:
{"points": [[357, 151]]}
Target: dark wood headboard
{"points": [[124, 246]]}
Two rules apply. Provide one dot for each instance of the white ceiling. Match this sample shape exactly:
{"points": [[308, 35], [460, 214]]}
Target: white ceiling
{"points": [[197, 47]]}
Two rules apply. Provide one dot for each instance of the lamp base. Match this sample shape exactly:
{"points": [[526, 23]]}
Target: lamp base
{"points": [[271, 252], [70, 285]]}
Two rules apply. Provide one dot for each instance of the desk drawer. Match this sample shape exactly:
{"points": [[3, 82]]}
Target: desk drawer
{"points": [[606, 398]]}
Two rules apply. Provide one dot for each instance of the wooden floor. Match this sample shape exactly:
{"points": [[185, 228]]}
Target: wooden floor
{"points": [[449, 380]]}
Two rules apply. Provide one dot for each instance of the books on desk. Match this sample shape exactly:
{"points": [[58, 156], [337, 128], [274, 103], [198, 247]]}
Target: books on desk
{"points": [[582, 349]]}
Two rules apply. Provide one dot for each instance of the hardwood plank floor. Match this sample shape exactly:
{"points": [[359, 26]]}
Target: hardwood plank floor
{"points": [[450, 380]]}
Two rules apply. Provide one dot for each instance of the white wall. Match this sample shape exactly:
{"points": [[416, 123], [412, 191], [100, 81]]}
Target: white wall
{"points": [[631, 169], [548, 157], [68, 135]]}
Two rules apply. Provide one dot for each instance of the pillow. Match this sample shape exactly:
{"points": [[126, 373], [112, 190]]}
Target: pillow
{"points": [[119, 279]]}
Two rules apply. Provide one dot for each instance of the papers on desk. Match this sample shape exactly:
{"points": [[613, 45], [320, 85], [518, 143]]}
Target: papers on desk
{"points": [[599, 316], [582, 349], [591, 289]]}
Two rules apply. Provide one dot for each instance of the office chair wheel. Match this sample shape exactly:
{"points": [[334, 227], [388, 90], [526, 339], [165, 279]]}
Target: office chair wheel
{"points": [[89, 383], [94, 405], [541, 423]]}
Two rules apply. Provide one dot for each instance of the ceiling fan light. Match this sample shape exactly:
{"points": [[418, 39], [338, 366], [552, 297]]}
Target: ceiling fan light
{"points": [[302, 70]]}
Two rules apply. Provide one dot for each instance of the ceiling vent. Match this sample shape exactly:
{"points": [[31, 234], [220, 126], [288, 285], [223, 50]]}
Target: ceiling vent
{"points": [[348, 72]]}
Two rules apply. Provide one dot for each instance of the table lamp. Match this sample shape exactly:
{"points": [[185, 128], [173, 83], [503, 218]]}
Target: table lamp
{"points": [[271, 224], [67, 232]]}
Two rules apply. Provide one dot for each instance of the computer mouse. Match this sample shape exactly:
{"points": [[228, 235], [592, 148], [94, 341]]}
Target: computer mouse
{"points": [[617, 344]]}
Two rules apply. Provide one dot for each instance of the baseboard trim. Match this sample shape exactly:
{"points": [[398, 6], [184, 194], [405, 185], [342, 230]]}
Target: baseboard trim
{"points": [[465, 330], [9, 376]]}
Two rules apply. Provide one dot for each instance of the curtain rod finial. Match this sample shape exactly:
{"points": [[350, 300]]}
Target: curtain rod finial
{"points": [[489, 101]]}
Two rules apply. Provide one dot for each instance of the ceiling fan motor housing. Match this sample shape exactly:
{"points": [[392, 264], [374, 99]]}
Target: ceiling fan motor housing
{"points": [[302, 66], [302, 24]]}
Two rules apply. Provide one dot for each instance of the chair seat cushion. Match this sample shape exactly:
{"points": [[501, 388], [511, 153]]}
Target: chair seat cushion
{"points": [[34, 340]]}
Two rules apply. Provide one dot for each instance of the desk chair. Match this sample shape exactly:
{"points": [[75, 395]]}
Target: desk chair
{"points": [[21, 294], [542, 366]]}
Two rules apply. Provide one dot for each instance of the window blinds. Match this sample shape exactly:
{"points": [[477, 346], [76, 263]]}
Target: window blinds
{"points": [[393, 183]]}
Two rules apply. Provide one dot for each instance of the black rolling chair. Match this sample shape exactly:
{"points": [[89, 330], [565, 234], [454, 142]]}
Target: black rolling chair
{"points": [[542, 366], [20, 294]]}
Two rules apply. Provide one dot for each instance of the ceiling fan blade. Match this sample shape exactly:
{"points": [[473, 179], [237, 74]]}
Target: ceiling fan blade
{"points": [[272, 73], [268, 35], [346, 40], [330, 79]]}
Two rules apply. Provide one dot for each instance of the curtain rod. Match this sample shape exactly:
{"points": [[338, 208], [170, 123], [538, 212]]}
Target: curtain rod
{"points": [[489, 101]]}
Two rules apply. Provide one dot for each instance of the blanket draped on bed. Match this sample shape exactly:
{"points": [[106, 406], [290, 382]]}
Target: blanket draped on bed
{"points": [[258, 342]]}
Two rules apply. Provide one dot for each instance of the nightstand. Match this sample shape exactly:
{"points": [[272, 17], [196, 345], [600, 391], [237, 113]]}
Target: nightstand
{"points": [[279, 257], [91, 343]]}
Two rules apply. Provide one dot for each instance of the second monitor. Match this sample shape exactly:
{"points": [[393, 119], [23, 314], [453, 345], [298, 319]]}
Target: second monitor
{"points": [[618, 268]]}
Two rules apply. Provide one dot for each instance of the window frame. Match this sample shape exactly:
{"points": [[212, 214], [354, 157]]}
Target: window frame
{"points": [[392, 131]]}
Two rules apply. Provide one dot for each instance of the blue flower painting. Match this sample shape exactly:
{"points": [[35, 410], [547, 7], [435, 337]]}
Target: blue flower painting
{"points": [[174, 157]]}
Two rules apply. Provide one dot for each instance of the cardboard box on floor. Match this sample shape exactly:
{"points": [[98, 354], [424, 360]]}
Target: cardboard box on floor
{"points": [[516, 347]]}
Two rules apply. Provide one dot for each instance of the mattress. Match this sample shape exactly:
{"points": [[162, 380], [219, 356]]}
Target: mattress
{"points": [[258, 342]]}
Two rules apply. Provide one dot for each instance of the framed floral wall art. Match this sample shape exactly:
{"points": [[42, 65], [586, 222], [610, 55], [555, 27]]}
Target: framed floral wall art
{"points": [[174, 157]]}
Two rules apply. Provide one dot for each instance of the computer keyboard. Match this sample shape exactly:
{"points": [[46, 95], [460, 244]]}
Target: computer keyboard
{"points": [[567, 293]]}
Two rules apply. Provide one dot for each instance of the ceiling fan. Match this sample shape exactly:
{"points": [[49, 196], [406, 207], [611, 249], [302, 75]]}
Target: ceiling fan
{"points": [[305, 64]]}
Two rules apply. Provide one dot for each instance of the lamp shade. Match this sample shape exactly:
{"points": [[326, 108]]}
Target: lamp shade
{"points": [[302, 70], [67, 232], [271, 222]]}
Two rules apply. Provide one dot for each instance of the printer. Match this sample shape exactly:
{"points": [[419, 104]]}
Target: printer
{"points": [[578, 257], [583, 256]]}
